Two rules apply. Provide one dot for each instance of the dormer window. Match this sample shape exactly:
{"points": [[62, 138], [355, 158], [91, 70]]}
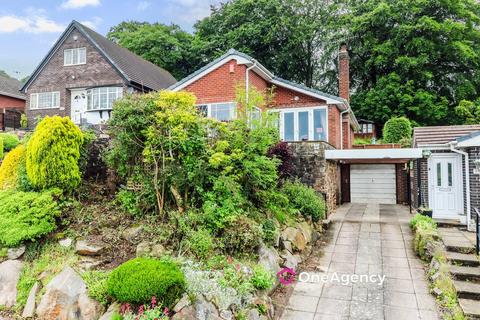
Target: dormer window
{"points": [[73, 57]]}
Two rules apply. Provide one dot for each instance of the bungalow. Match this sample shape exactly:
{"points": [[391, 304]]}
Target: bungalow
{"points": [[447, 177], [12, 101], [84, 73]]}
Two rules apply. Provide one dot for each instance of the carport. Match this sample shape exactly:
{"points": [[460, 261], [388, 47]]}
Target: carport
{"points": [[374, 175]]}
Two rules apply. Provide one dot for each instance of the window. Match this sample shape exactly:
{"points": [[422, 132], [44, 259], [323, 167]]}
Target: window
{"points": [[366, 128], [369, 128], [72, 57], [221, 111], [450, 174], [45, 100], [102, 98], [303, 124], [439, 174]]}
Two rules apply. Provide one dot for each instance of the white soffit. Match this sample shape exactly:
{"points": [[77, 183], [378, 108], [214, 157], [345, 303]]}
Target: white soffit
{"points": [[365, 154]]}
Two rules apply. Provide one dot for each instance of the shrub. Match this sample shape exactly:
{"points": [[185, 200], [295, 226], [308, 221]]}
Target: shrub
{"points": [[9, 170], [305, 200], [200, 243], [282, 152], [426, 236], [23, 121], [242, 237], [262, 279], [397, 128], [10, 141], [26, 215], [1, 149], [96, 282], [138, 280], [53, 152], [270, 231]]}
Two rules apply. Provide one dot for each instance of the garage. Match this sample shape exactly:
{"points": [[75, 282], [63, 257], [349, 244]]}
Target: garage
{"points": [[373, 183]]}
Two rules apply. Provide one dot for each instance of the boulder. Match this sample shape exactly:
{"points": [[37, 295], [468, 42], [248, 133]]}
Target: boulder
{"points": [[269, 258], [306, 231], [66, 298], [253, 314], [296, 237], [157, 251], [67, 242], [15, 253], [9, 275], [291, 261], [29, 310], [182, 303], [201, 310], [226, 315], [114, 308], [286, 245], [89, 263], [133, 233], [143, 249], [89, 248]]}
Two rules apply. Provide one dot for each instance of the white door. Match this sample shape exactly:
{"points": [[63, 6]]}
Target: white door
{"points": [[445, 185], [373, 183], [78, 105]]}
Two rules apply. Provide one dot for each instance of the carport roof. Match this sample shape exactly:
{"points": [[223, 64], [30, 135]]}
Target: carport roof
{"points": [[374, 155]]}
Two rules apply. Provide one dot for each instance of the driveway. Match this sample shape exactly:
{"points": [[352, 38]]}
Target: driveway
{"points": [[373, 243]]}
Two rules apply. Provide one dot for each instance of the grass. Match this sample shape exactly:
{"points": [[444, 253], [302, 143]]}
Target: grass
{"points": [[47, 260]]}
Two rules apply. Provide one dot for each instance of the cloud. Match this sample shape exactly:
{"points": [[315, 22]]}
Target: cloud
{"points": [[189, 11], [76, 4], [29, 24], [92, 24], [143, 5]]}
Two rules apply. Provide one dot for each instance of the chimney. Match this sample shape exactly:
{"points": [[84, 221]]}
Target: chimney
{"points": [[344, 73]]}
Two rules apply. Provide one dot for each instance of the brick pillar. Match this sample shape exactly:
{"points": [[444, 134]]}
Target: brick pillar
{"points": [[344, 73]]}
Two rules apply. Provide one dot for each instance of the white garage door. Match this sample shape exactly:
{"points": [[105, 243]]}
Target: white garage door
{"points": [[373, 183]]}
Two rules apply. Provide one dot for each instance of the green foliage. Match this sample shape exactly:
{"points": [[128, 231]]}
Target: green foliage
{"points": [[1, 149], [424, 222], [426, 235], [26, 215], [200, 243], [88, 138], [148, 313], [10, 141], [234, 276], [53, 152], [138, 280], [23, 121], [468, 112], [241, 237], [262, 279], [362, 141], [9, 170], [96, 282], [305, 200], [270, 231], [397, 129]]}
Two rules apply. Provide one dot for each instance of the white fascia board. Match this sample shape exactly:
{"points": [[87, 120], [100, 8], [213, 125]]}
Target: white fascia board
{"points": [[472, 142], [306, 92], [239, 59], [366, 154]]}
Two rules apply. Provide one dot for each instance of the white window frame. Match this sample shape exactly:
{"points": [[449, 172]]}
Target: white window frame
{"points": [[74, 63], [233, 113], [96, 92], [34, 100], [295, 111]]}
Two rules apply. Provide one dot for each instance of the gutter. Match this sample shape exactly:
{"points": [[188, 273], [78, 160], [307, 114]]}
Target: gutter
{"points": [[247, 80], [467, 180]]}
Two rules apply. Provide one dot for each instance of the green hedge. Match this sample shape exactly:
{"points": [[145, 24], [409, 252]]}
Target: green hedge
{"points": [[138, 280], [397, 129]]}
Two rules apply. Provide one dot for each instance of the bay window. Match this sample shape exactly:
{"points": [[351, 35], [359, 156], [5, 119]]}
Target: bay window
{"points": [[300, 124], [45, 100], [102, 98]]}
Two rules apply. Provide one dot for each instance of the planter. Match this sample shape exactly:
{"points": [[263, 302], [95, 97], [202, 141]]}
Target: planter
{"points": [[425, 212]]}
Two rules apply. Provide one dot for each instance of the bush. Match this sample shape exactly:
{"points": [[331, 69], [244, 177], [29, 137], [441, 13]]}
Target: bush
{"points": [[305, 200], [96, 282], [270, 231], [397, 128], [138, 280], [282, 152], [242, 237], [9, 170], [23, 121], [53, 152], [26, 215], [200, 243], [10, 141], [262, 279], [1, 149], [426, 236]]}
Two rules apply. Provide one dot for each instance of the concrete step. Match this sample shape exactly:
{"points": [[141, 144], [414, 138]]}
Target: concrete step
{"points": [[459, 247], [463, 259], [467, 290], [445, 223], [471, 308], [465, 273]]}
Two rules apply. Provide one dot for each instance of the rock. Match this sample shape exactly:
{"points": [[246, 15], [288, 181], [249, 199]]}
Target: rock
{"points": [[288, 234], [315, 236], [201, 310], [143, 249], [132, 234], [184, 302], [89, 248], [306, 231], [29, 310], [295, 236], [290, 260], [269, 258], [89, 263], [15, 253], [437, 291], [286, 245], [253, 314], [9, 275], [66, 298], [226, 315], [67, 242], [114, 308], [326, 223], [157, 251]]}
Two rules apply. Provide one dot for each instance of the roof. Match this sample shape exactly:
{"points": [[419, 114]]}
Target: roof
{"points": [[472, 140], [133, 68], [261, 70], [10, 87], [441, 135]]}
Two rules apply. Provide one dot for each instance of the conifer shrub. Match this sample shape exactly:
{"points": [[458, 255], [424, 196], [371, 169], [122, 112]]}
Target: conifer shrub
{"points": [[396, 129], [26, 215], [10, 141], [138, 280], [52, 155], [9, 170]]}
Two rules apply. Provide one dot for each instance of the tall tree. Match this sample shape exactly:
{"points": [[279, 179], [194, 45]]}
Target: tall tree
{"points": [[166, 46]]}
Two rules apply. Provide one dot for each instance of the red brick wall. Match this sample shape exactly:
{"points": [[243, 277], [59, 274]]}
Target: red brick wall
{"points": [[402, 184], [11, 103], [286, 98]]}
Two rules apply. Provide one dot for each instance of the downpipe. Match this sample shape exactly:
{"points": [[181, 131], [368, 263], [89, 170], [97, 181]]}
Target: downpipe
{"points": [[341, 124], [467, 182]]}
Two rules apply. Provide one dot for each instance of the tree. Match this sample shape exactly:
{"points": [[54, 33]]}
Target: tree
{"points": [[397, 129], [468, 112], [166, 46]]}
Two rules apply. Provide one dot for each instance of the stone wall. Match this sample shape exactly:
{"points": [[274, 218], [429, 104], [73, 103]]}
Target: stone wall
{"points": [[314, 170]]}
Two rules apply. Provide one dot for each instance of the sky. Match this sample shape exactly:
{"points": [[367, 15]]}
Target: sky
{"points": [[29, 28]]}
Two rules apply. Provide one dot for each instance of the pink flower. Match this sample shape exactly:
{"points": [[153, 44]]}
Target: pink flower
{"points": [[229, 259], [140, 310], [165, 311], [154, 301]]}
